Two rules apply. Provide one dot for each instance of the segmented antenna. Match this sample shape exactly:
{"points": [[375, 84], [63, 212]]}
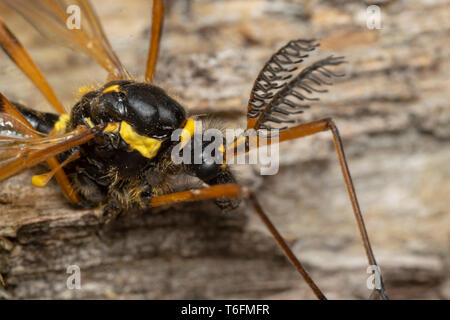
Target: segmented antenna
{"points": [[294, 96], [276, 72]]}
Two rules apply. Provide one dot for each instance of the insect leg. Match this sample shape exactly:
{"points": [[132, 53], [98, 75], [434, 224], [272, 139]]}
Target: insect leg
{"points": [[14, 49], [235, 191], [157, 25], [328, 125], [354, 200], [60, 175]]}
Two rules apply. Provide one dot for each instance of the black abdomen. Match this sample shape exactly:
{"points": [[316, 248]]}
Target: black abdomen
{"points": [[41, 121]]}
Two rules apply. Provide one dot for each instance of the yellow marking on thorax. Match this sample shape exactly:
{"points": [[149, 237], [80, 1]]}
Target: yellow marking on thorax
{"points": [[146, 146], [187, 132], [113, 88], [60, 126]]}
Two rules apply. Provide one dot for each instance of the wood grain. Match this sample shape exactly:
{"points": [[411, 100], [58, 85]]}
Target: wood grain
{"points": [[393, 113]]}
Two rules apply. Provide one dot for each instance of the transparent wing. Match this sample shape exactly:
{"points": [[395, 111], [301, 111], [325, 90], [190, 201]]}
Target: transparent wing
{"points": [[15, 144], [22, 147], [57, 20], [20, 153]]}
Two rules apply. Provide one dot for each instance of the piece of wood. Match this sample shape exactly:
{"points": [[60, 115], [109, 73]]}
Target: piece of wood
{"points": [[392, 111]]}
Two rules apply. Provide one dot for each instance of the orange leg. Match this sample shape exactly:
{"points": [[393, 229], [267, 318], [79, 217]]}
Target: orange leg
{"points": [[310, 129], [157, 24], [213, 192], [53, 163], [14, 49], [235, 191]]}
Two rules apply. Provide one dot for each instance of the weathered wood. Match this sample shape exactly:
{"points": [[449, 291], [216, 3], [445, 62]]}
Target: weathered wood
{"points": [[392, 110]]}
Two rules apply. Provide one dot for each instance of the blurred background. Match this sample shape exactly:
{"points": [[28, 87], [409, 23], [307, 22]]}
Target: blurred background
{"points": [[392, 110]]}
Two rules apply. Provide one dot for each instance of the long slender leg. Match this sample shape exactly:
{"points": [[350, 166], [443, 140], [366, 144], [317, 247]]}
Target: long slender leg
{"points": [[157, 24], [235, 191], [213, 192], [354, 200], [14, 49], [316, 127], [287, 251], [63, 181]]}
